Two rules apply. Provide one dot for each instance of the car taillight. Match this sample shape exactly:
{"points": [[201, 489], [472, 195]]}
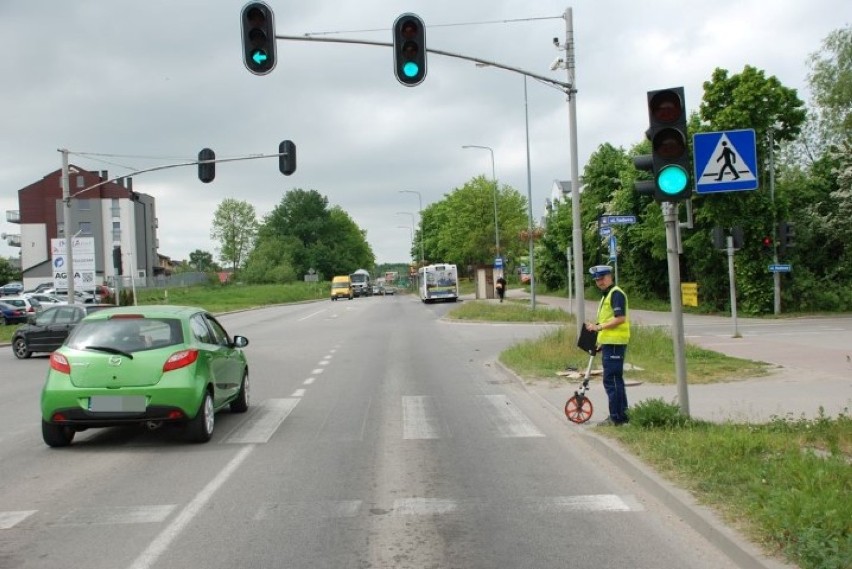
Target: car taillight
{"points": [[180, 359], [60, 363]]}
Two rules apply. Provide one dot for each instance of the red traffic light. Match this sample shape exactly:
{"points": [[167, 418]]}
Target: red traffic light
{"points": [[666, 106]]}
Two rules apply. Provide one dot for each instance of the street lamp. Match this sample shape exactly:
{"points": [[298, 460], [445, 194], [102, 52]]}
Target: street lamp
{"points": [[412, 223], [494, 180], [422, 225]]}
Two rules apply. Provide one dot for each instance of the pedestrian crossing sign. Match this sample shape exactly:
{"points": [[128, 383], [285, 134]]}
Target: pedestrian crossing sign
{"points": [[725, 161]]}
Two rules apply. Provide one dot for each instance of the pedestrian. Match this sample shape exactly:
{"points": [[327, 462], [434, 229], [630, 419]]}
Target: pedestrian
{"points": [[501, 287], [613, 328]]}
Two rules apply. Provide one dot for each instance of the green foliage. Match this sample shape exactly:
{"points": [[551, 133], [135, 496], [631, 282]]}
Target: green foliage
{"points": [[657, 414], [460, 228], [235, 228], [8, 272], [786, 482]]}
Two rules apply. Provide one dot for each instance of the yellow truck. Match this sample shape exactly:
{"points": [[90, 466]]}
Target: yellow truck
{"points": [[341, 287]]}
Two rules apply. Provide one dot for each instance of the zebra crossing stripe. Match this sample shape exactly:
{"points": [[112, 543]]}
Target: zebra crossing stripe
{"points": [[11, 519], [507, 419]]}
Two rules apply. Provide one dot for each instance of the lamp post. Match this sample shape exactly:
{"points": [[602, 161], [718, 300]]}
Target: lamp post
{"points": [[422, 225], [494, 180]]}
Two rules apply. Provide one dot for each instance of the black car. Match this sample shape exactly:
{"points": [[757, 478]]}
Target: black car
{"points": [[12, 314], [47, 330]]}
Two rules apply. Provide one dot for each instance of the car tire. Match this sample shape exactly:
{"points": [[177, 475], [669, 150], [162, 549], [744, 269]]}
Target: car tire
{"points": [[19, 347], [200, 429], [56, 436], [241, 403]]}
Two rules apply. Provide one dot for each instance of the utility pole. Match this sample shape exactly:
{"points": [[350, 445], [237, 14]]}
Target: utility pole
{"points": [[669, 210]]}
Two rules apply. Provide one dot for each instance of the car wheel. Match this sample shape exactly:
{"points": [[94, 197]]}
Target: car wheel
{"points": [[19, 346], [56, 435], [200, 429], [241, 403]]}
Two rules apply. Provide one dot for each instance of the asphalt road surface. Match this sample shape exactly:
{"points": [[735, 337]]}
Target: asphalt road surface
{"points": [[379, 436]]}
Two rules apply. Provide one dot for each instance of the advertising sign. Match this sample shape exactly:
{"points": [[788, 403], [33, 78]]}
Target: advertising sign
{"points": [[83, 249]]}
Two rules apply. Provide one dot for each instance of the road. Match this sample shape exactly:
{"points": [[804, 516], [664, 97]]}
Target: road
{"points": [[379, 436]]}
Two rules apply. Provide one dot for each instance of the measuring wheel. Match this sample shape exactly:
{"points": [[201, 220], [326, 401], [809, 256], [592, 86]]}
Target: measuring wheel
{"points": [[578, 409]]}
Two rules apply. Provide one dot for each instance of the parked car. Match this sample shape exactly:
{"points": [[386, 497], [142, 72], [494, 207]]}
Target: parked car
{"points": [[10, 314], [389, 289], [145, 365], [44, 299], [79, 296], [30, 305], [46, 331], [11, 289]]}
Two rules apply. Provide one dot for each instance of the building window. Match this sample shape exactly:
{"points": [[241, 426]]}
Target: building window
{"points": [[116, 231], [84, 204], [85, 228], [81, 182]]}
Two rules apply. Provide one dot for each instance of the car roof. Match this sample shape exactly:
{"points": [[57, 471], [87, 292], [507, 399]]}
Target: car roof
{"points": [[148, 311]]}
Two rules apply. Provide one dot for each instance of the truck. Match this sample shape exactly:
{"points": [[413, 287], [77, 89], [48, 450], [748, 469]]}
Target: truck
{"points": [[361, 283]]}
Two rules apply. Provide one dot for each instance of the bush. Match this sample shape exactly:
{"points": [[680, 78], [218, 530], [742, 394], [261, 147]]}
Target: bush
{"points": [[656, 413]]}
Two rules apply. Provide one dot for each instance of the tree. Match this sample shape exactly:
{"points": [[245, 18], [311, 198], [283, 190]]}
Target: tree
{"points": [[8, 272], [831, 86], [202, 261], [235, 227]]}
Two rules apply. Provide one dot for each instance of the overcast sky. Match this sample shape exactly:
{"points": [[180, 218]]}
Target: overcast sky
{"points": [[164, 78]]}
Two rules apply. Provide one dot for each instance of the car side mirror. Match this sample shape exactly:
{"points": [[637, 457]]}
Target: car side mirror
{"points": [[240, 342]]}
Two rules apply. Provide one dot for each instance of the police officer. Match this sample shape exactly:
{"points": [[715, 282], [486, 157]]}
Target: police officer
{"points": [[613, 328]]}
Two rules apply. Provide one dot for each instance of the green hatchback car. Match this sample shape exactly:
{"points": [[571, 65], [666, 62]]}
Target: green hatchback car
{"points": [[146, 365]]}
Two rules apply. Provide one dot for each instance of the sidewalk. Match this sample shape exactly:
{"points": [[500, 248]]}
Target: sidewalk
{"points": [[806, 379]]}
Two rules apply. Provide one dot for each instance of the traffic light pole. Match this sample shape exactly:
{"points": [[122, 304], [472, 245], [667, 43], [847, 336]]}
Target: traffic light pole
{"points": [[66, 199], [669, 210]]}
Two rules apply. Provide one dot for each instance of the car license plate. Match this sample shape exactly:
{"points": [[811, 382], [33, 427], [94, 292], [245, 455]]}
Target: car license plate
{"points": [[117, 404]]}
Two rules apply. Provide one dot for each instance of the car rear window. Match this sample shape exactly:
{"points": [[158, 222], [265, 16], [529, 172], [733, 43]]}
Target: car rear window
{"points": [[127, 334]]}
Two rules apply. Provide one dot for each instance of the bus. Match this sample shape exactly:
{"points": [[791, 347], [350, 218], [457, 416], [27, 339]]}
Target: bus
{"points": [[438, 282]]}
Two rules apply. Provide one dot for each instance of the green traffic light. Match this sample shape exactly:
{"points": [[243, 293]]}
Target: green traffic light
{"points": [[410, 69], [259, 56], [672, 180]]}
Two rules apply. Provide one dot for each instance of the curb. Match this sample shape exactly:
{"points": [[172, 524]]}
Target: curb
{"points": [[701, 519]]}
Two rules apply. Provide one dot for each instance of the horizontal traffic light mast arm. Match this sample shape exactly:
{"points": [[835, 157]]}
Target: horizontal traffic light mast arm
{"points": [[566, 87], [170, 166]]}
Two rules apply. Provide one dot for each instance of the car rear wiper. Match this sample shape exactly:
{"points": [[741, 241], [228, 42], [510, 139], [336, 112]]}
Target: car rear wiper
{"points": [[109, 350]]}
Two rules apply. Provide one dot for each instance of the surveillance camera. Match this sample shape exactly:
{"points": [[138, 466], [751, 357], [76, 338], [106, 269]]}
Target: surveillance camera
{"points": [[557, 63], [556, 42]]}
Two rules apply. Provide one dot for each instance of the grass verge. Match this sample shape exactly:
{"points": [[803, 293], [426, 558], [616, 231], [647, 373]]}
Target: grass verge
{"points": [[785, 484]]}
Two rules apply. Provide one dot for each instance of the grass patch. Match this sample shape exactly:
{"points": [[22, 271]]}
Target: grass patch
{"points": [[509, 311], [787, 484], [650, 354]]}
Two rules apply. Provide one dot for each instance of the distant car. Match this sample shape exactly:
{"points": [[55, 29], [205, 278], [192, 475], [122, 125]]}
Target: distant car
{"points": [[525, 278], [31, 305], [147, 365], [389, 289], [10, 314], [11, 289], [48, 329]]}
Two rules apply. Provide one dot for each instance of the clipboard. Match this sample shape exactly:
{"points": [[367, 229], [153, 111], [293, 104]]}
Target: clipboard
{"points": [[588, 341]]}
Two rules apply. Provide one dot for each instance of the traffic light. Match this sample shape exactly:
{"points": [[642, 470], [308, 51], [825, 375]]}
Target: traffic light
{"points": [[766, 245], [287, 157], [409, 50], [116, 260], [258, 26], [786, 236], [669, 159], [206, 165]]}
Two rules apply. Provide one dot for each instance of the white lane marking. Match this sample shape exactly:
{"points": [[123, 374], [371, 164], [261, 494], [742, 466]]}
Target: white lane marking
{"points": [[590, 503], [311, 315], [308, 381], [507, 419], [323, 509], [298, 393], [419, 418], [9, 520], [116, 515], [423, 506], [157, 547], [323, 363], [263, 423], [317, 371]]}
